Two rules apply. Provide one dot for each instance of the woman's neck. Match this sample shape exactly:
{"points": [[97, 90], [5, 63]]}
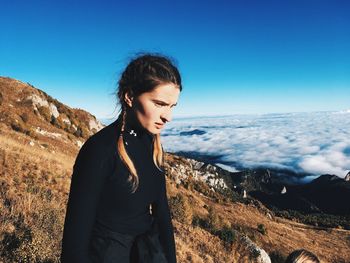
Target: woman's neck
{"points": [[133, 124]]}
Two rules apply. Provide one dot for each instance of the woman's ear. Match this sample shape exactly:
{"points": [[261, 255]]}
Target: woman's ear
{"points": [[128, 99]]}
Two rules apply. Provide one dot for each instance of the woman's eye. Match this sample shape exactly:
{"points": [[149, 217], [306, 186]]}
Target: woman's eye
{"points": [[159, 105]]}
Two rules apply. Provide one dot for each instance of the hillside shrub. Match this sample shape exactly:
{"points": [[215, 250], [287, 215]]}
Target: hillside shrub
{"points": [[70, 136], [57, 122], [78, 132], [82, 132], [251, 235], [181, 209], [213, 219], [226, 234], [214, 225], [200, 222], [262, 229], [201, 187], [73, 120], [23, 128], [1, 99], [18, 126], [36, 112], [54, 121], [254, 253], [85, 132], [61, 108], [45, 113], [188, 184], [31, 133], [31, 85], [24, 117], [71, 130]]}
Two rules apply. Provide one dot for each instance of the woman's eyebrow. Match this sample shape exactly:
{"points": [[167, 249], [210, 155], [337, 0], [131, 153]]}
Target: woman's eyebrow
{"points": [[163, 102]]}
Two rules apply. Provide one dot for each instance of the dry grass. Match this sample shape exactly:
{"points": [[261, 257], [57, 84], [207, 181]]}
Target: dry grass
{"points": [[34, 186]]}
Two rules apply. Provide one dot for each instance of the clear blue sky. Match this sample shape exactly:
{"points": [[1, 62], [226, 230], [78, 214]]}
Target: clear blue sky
{"points": [[235, 56]]}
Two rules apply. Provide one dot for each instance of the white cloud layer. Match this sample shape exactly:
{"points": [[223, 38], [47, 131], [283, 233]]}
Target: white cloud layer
{"points": [[313, 143]]}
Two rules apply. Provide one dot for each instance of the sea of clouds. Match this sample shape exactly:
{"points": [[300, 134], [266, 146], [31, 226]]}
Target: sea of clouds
{"points": [[305, 143]]}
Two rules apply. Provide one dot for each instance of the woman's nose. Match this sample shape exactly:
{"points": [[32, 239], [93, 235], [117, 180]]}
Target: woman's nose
{"points": [[166, 115]]}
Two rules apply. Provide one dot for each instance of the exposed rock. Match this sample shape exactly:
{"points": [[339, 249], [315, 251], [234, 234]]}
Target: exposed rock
{"points": [[198, 165], [95, 124], [79, 143], [263, 257], [198, 171], [48, 134], [347, 177], [269, 216], [67, 121], [37, 101], [258, 254], [284, 190], [53, 110]]}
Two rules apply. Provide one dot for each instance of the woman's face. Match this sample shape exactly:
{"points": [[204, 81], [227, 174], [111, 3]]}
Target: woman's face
{"points": [[153, 109]]}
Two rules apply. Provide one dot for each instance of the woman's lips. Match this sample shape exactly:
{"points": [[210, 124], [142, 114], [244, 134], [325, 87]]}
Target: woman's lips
{"points": [[159, 125]]}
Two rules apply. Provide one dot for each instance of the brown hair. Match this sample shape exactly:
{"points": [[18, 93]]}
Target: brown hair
{"points": [[143, 74], [302, 256]]}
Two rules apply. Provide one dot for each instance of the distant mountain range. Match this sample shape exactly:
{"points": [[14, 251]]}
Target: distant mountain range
{"points": [[327, 194]]}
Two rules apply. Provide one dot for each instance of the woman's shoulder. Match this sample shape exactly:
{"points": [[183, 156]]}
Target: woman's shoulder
{"points": [[104, 140]]}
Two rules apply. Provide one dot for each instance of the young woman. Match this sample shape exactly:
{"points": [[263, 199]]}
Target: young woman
{"points": [[117, 207]]}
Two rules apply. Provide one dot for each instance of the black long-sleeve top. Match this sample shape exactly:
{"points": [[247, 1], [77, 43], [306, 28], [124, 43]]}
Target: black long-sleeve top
{"points": [[99, 192]]}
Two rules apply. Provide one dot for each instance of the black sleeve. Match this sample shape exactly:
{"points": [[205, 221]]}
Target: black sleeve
{"points": [[86, 185], [161, 211]]}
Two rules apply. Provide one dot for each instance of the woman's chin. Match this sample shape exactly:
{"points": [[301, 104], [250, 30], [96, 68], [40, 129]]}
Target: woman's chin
{"points": [[155, 130]]}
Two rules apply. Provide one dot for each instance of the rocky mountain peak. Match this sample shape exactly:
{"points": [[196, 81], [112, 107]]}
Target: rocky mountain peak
{"points": [[29, 110]]}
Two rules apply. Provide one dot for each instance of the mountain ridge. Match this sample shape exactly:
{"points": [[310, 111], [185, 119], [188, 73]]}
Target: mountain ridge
{"points": [[33, 112]]}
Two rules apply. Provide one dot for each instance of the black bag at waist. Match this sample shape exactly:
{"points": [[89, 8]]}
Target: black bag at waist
{"points": [[108, 246]]}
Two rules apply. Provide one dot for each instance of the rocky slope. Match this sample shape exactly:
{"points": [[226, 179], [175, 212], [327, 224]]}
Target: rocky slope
{"points": [[26, 109]]}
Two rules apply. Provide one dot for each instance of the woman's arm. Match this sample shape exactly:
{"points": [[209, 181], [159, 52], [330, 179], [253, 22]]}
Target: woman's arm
{"points": [[86, 185], [160, 210]]}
